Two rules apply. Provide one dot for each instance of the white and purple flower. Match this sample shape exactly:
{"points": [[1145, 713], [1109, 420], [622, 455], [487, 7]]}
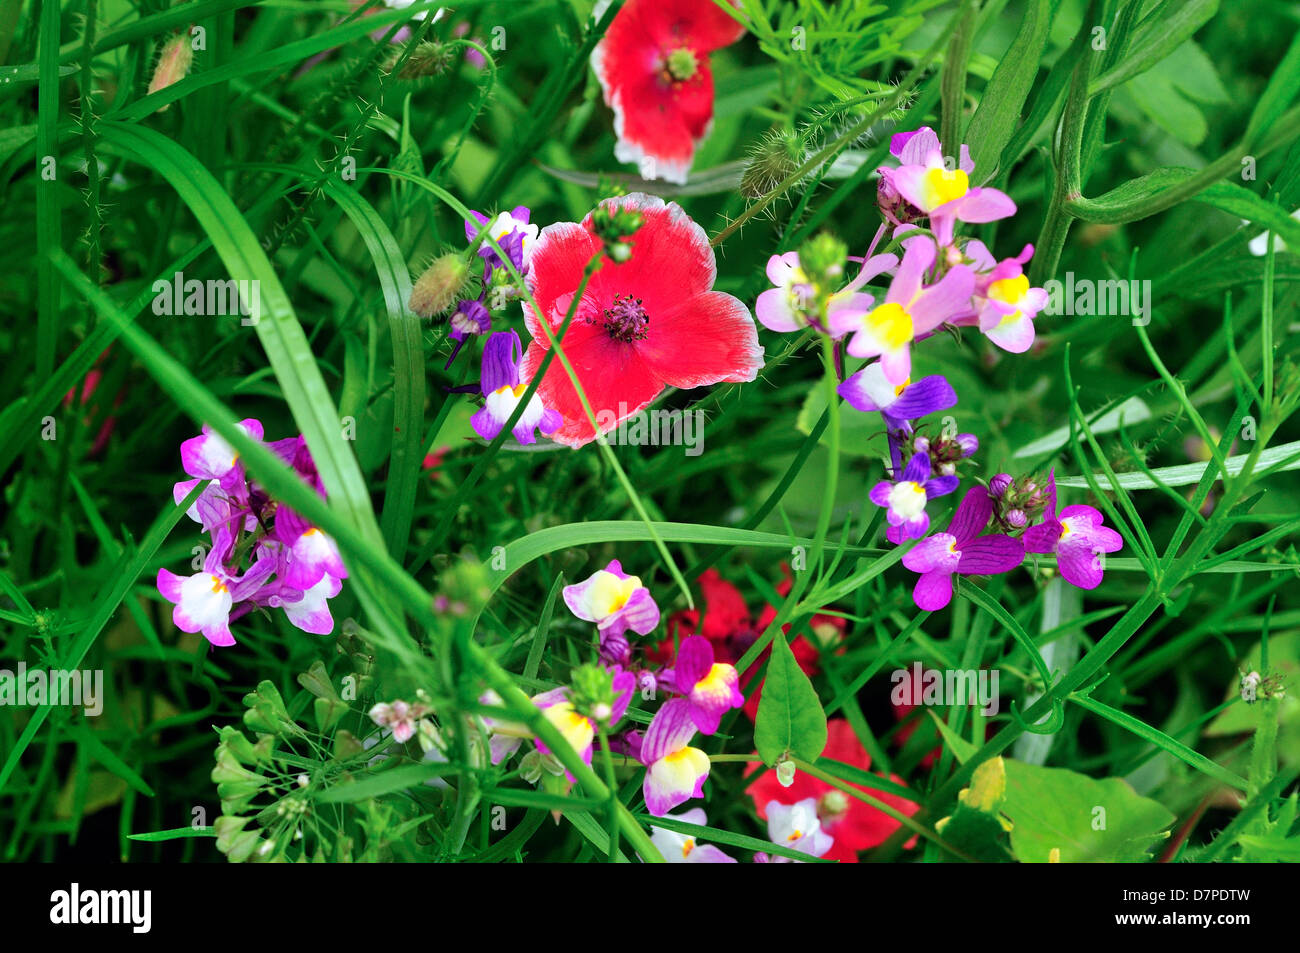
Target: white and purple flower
{"points": [[684, 848], [503, 389], [870, 390], [904, 499], [615, 602]]}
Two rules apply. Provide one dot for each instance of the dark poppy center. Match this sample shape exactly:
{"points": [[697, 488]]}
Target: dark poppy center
{"points": [[626, 320]]}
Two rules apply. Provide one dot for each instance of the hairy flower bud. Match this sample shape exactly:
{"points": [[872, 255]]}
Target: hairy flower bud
{"points": [[776, 158], [174, 62], [439, 287]]}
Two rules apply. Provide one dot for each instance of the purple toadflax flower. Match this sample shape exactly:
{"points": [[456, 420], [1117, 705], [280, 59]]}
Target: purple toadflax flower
{"points": [[960, 550], [900, 404], [712, 688], [1076, 536], [904, 499], [502, 389]]}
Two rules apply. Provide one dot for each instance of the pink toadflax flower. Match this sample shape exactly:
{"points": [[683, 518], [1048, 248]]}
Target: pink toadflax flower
{"points": [[910, 310], [788, 306], [940, 188], [1005, 303]]}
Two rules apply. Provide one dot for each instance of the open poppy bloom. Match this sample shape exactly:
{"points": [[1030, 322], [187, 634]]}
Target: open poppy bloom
{"points": [[653, 67], [649, 323]]}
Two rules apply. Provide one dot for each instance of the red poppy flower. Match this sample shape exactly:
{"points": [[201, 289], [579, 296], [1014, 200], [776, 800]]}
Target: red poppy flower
{"points": [[855, 825], [643, 325], [653, 66]]}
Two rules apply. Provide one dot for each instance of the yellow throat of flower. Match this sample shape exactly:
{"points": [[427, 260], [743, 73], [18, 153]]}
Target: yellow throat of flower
{"points": [[891, 325], [943, 185]]}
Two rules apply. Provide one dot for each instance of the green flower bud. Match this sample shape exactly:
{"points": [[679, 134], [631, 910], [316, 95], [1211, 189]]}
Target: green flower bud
{"points": [[438, 289], [777, 157]]}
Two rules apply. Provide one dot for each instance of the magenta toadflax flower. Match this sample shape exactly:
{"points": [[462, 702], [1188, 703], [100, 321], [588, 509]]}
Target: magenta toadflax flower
{"points": [[1076, 536], [904, 499], [675, 771], [263, 554], [578, 729], [960, 550], [311, 554], [210, 457], [910, 310], [502, 389], [870, 390], [683, 848], [940, 188], [204, 600], [711, 688], [615, 602]]}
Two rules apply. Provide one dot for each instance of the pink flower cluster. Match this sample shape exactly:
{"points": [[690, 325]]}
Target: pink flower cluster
{"points": [[941, 279], [262, 553]]}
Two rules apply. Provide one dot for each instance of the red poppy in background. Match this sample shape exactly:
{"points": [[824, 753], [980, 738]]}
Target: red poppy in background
{"points": [[93, 406], [651, 322], [653, 67], [855, 825], [725, 621], [828, 629]]}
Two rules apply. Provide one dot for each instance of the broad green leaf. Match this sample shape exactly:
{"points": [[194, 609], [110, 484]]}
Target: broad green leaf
{"points": [[790, 717], [1089, 821]]}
